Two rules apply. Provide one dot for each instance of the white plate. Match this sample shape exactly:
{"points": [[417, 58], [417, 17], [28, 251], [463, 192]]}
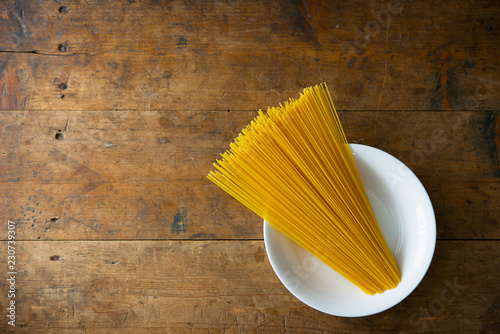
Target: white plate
{"points": [[405, 215]]}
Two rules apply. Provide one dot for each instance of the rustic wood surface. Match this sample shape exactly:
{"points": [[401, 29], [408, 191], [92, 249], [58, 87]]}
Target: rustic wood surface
{"points": [[112, 112], [228, 287], [243, 55]]}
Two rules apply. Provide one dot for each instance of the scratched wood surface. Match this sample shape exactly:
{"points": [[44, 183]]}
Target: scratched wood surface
{"points": [[230, 287], [243, 55], [112, 112], [147, 171]]}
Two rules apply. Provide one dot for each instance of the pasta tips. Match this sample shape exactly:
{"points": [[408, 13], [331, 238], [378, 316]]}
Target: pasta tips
{"points": [[294, 168]]}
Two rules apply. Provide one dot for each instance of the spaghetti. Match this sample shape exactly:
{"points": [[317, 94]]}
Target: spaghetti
{"points": [[294, 168]]}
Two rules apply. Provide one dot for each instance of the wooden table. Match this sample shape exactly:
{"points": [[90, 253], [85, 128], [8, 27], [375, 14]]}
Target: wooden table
{"points": [[112, 113]]}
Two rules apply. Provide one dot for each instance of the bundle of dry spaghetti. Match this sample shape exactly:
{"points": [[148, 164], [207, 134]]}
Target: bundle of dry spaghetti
{"points": [[294, 168]]}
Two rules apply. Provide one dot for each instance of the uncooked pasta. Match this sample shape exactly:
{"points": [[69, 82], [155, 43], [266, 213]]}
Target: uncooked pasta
{"points": [[294, 168]]}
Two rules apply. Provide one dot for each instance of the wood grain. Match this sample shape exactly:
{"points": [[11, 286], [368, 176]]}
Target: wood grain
{"points": [[116, 173], [112, 112], [148, 145], [245, 55], [227, 286]]}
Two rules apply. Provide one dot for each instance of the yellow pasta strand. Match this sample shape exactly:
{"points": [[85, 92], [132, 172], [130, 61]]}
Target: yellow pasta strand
{"points": [[294, 168]]}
